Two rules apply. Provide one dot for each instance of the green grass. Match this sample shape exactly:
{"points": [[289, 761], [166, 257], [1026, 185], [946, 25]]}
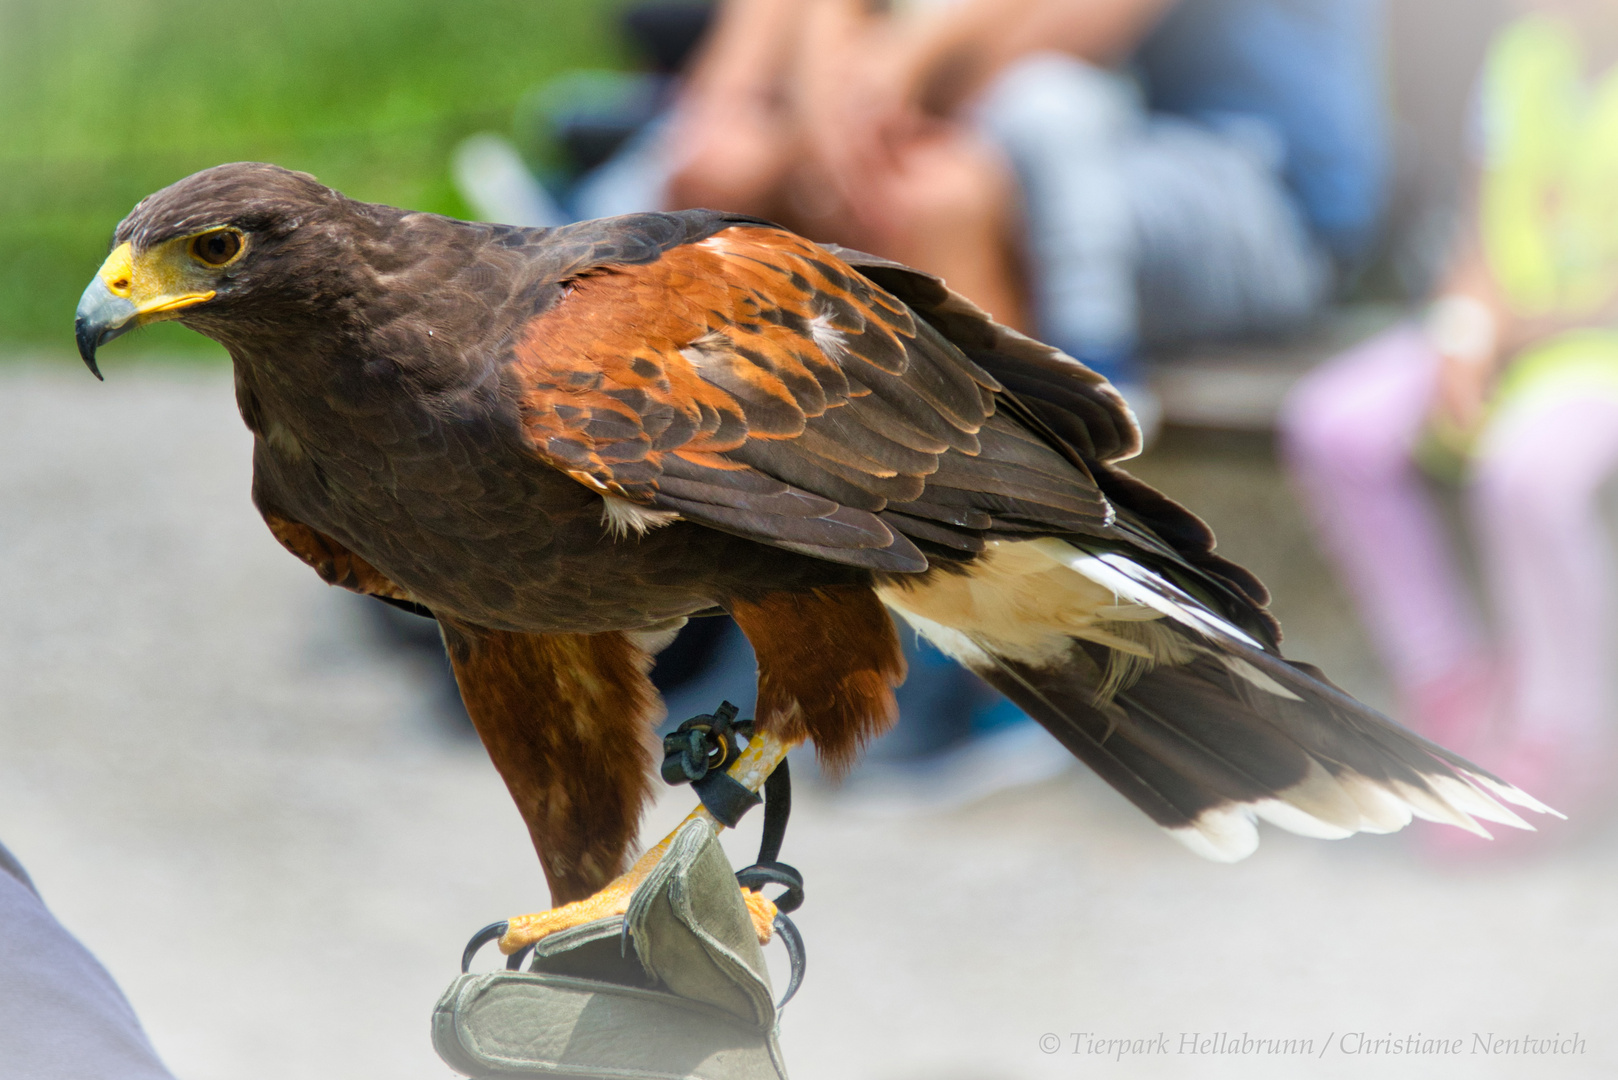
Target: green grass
{"points": [[104, 101]]}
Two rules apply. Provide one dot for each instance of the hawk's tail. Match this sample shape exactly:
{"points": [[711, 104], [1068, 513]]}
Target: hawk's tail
{"points": [[1194, 720]]}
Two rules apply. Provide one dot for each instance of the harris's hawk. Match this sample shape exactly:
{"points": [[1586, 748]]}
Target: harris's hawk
{"points": [[563, 442]]}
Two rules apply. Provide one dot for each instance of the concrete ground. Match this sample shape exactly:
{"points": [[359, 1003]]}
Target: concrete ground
{"points": [[246, 805]]}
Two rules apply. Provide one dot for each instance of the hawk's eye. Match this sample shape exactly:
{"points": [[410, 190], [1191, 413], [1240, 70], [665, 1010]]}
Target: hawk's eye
{"points": [[216, 248]]}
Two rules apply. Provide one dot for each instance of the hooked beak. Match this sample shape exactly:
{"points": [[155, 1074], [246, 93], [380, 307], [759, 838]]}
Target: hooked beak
{"points": [[114, 304], [102, 316]]}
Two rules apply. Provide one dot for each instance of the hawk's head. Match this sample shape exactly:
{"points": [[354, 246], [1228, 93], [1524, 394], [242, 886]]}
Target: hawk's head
{"points": [[207, 248]]}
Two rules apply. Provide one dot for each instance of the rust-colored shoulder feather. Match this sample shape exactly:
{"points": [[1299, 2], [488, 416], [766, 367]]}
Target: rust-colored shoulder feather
{"points": [[757, 383]]}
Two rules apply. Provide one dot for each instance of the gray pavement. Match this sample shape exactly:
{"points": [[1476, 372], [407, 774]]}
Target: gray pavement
{"points": [[244, 804]]}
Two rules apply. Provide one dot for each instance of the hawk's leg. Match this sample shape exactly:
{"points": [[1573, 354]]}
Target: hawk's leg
{"points": [[569, 721], [828, 661], [764, 752]]}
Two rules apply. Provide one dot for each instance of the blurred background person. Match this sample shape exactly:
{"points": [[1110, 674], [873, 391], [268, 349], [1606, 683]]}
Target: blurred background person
{"points": [[1511, 387]]}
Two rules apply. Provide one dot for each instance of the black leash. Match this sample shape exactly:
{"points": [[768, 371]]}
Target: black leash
{"points": [[697, 753], [700, 750]]}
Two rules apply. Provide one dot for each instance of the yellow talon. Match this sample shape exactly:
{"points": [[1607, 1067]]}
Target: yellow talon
{"points": [[761, 909], [524, 930], [764, 752]]}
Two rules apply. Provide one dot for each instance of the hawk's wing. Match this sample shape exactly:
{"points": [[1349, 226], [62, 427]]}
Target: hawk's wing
{"points": [[832, 403], [757, 383]]}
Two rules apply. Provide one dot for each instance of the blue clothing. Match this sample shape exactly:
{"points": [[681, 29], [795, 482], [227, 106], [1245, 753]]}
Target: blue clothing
{"points": [[61, 1015], [1127, 212], [1311, 70]]}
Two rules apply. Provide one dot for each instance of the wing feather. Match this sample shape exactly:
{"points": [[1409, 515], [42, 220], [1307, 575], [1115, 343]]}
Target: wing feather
{"points": [[738, 350], [754, 382]]}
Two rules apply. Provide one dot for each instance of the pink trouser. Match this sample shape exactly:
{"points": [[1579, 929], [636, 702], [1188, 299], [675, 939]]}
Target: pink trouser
{"points": [[1348, 432]]}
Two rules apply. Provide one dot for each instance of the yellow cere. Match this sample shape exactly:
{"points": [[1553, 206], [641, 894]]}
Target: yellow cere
{"points": [[159, 282], [118, 272]]}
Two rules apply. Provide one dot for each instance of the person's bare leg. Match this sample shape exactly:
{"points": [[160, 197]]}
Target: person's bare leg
{"points": [[961, 221], [948, 205]]}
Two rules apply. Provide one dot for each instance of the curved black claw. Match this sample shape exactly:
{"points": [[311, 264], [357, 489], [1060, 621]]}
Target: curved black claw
{"points": [[514, 962], [794, 943], [493, 932]]}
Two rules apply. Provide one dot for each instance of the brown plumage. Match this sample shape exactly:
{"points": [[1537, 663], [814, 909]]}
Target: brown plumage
{"points": [[562, 442], [828, 663], [568, 721]]}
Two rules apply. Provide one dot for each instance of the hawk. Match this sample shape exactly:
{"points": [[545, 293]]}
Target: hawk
{"points": [[561, 443]]}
